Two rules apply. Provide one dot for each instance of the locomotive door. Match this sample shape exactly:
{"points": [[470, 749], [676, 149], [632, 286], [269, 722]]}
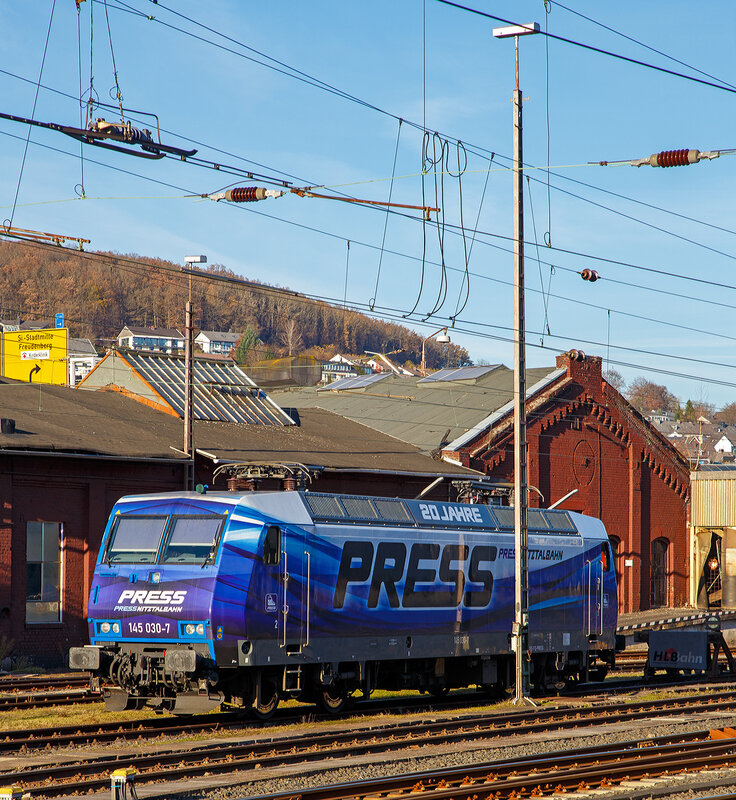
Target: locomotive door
{"points": [[593, 588], [294, 607]]}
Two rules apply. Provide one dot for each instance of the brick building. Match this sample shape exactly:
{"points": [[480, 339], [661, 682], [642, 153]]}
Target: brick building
{"points": [[583, 436]]}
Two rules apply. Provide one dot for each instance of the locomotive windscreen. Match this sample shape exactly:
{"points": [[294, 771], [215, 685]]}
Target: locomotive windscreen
{"points": [[135, 539]]}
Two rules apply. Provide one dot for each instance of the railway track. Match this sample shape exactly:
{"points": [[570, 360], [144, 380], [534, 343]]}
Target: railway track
{"points": [[79, 775], [41, 691], [584, 769]]}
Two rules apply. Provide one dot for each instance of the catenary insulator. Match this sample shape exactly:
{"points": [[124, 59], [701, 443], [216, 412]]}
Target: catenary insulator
{"points": [[589, 275], [245, 194], [674, 158]]}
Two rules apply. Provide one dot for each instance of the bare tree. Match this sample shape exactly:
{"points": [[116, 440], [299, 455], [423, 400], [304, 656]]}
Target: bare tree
{"points": [[615, 379], [290, 337]]}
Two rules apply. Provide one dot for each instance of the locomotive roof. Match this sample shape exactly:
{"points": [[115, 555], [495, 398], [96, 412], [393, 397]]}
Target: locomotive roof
{"points": [[304, 508], [390, 511]]}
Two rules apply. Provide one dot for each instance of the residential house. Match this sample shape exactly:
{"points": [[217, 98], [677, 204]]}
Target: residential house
{"points": [[217, 342], [161, 340]]}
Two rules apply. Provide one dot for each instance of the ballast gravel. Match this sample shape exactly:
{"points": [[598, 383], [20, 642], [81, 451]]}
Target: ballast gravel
{"points": [[469, 753]]}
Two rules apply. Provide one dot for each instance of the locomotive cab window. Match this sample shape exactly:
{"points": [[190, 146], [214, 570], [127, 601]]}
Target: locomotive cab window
{"points": [[192, 540], [272, 545], [135, 539]]}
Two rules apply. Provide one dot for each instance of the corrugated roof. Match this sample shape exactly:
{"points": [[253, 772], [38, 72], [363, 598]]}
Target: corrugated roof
{"points": [[427, 415], [222, 391]]}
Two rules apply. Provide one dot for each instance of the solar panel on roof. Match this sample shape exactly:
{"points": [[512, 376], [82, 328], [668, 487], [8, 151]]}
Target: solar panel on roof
{"points": [[457, 374], [358, 382]]}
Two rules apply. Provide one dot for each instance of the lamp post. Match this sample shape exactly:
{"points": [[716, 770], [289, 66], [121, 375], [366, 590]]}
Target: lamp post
{"points": [[520, 630], [442, 338], [188, 378]]}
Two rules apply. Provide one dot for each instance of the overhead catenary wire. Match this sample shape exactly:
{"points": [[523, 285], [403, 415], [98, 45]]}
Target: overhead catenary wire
{"points": [[640, 43], [587, 256], [483, 152], [592, 48], [35, 101]]}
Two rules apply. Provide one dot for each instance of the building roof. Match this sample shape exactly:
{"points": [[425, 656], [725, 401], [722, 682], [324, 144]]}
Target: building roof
{"points": [[159, 333], [427, 414], [222, 391], [219, 336], [59, 420], [81, 347]]}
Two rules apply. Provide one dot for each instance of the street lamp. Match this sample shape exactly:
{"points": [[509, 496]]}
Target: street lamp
{"points": [[188, 377], [442, 338], [520, 630]]}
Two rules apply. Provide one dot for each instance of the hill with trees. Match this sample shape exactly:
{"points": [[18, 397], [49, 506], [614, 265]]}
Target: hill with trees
{"points": [[99, 293]]}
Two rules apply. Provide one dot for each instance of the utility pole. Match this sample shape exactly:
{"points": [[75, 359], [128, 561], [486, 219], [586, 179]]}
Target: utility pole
{"points": [[520, 629], [189, 379]]}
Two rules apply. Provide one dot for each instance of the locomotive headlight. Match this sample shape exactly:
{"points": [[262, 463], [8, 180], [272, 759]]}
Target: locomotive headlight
{"points": [[105, 627], [190, 628], [200, 629], [116, 627]]}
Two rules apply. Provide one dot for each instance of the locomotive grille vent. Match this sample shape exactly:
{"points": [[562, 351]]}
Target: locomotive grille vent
{"points": [[560, 521], [536, 520], [359, 508], [324, 506], [504, 517], [392, 510]]}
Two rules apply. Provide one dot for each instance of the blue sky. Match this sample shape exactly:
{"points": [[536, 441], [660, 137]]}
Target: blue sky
{"points": [[459, 79]]}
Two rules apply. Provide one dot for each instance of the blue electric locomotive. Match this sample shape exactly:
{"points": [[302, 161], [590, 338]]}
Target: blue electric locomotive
{"points": [[243, 598]]}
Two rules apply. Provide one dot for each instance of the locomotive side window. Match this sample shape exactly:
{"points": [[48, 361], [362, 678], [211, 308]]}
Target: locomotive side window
{"points": [[605, 557], [272, 545], [192, 540], [135, 540]]}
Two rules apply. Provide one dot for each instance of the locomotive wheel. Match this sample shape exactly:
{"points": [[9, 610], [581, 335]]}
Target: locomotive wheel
{"points": [[332, 699], [265, 707]]}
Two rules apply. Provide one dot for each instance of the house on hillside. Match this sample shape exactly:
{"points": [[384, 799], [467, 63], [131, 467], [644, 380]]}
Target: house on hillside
{"points": [[160, 340], [584, 437], [217, 342]]}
